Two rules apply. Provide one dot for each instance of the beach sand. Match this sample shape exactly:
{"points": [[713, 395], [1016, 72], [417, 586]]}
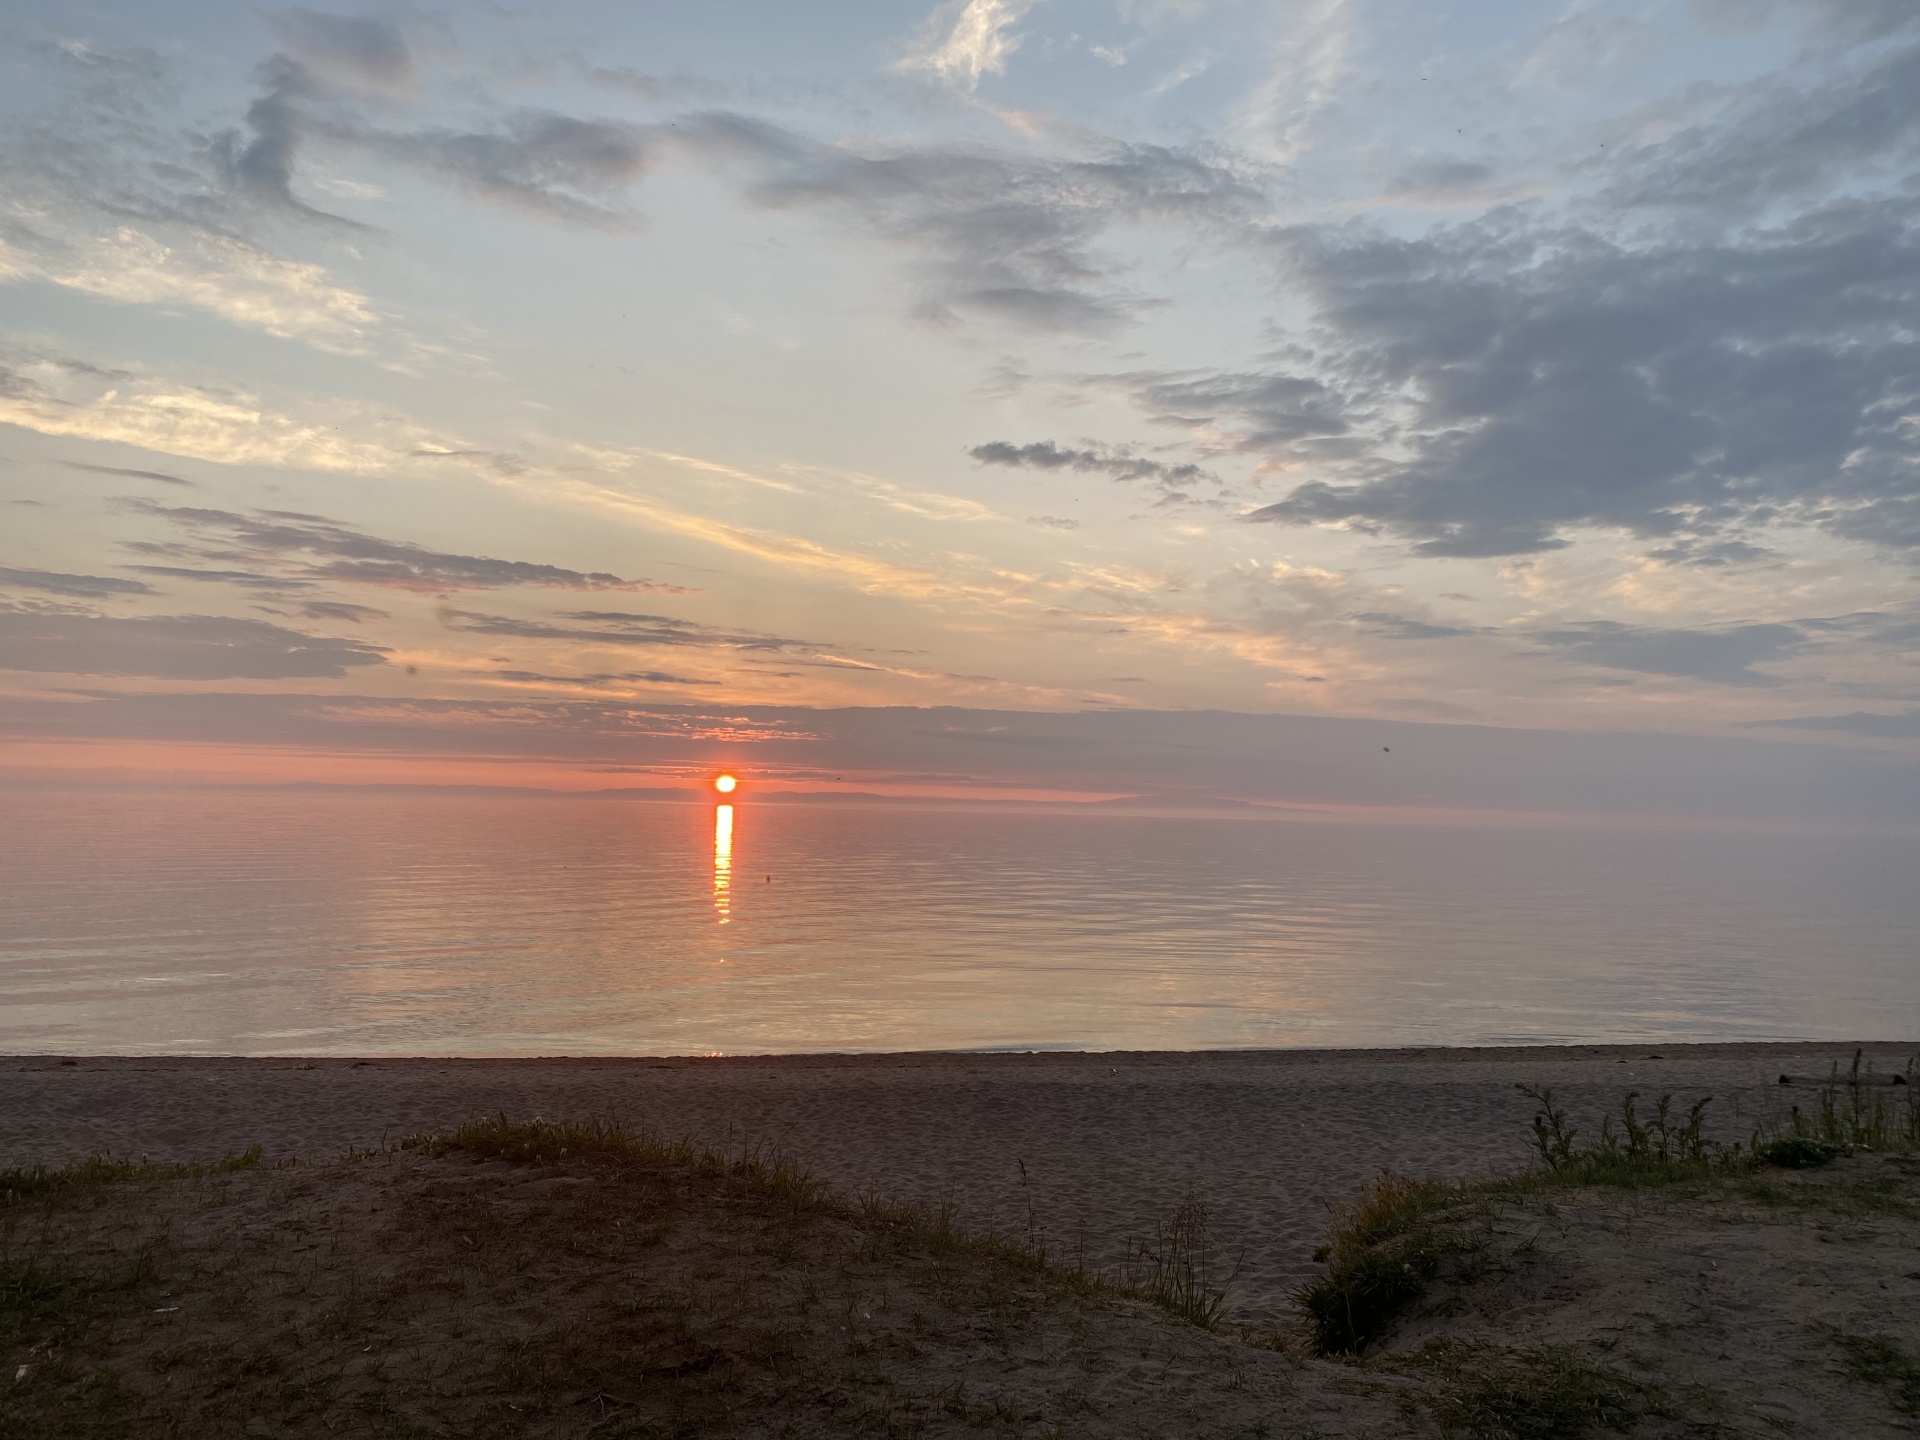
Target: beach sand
{"points": [[1090, 1149]]}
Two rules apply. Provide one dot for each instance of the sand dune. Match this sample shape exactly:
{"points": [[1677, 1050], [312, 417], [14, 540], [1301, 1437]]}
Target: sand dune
{"points": [[1091, 1148]]}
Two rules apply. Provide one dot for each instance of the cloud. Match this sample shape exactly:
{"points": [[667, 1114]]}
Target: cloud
{"points": [[174, 647], [1538, 380], [1000, 235], [1578, 49], [1904, 725], [1007, 236], [1249, 412], [52, 582], [1045, 455], [240, 282], [1721, 657], [602, 682], [1399, 627], [163, 478], [324, 549], [1444, 183], [260, 167], [341, 610], [549, 165], [57, 395], [346, 49], [966, 39], [619, 627], [1774, 139], [247, 579]]}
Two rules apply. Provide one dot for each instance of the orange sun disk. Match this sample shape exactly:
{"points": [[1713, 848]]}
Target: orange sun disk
{"points": [[725, 784]]}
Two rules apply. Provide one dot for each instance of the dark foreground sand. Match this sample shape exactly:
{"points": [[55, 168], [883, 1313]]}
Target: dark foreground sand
{"points": [[1109, 1143]]}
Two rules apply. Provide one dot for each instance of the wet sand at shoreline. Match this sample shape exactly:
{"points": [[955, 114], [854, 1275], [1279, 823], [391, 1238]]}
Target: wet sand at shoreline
{"points": [[1090, 1148]]}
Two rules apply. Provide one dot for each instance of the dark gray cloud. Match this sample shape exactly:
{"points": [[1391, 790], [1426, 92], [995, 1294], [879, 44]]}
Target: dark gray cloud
{"points": [[259, 166], [619, 627], [161, 476], [1776, 139], [1045, 455], [1400, 627], [602, 682], [1263, 412], [246, 579], [1712, 554], [997, 234], [1905, 725], [341, 610], [174, 647], [1547, 380], [1006, 236], [1438, 180], [323, 549], [546, 164], [346, 49], [1721, 657], [89, 587]]}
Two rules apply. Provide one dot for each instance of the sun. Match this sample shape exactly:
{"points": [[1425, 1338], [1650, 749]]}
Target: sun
{"points": [[725, 784]]}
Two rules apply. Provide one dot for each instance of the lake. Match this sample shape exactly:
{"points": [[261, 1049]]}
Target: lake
{"points": [[263, 923]]}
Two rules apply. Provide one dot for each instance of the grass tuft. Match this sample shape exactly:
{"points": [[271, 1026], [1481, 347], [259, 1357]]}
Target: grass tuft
{"points": [[1549, 1392], [1176, 1270], [40, 1182], [1383, 1252]]}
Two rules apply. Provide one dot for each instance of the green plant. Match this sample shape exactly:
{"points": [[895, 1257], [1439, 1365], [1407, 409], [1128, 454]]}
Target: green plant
{"points": [[1795, 1152], [1854, 1111], [1179, 1267], [1383, 1252], [1661, 1149]]}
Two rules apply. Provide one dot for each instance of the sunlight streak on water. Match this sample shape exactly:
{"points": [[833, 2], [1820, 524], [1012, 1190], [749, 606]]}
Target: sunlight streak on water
{"points": [[723, 862], [362, 923]]}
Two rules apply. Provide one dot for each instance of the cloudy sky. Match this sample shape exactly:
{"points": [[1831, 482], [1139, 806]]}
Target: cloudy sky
{"points": [[537, 395]]}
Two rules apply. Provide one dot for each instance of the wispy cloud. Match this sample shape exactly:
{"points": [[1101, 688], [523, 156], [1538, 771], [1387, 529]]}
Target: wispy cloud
{"points": [[326, 550], [173, 647], [964, 40], [619, 627], [1119, 464], [52, 582]]}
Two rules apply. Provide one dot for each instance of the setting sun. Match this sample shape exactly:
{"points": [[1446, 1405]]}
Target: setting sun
{"points": [[725, 784]]}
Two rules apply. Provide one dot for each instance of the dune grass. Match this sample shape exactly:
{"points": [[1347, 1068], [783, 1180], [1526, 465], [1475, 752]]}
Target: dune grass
{"points": [[1388, 1246], [1542, 1392], [38, 1182]]}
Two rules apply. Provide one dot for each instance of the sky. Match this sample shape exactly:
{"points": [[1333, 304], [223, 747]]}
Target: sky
{"points": [[1010, 397]]}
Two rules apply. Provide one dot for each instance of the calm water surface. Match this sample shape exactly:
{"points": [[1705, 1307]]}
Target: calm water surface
{"points": [[264, 923]]}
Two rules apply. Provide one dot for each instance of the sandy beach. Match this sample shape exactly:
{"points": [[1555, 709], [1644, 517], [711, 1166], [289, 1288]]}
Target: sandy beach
{"points": [[1091, 1148]]}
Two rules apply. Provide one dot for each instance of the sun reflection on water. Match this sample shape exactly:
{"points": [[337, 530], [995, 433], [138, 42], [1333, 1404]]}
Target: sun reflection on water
{"points": [[723, 862]]}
